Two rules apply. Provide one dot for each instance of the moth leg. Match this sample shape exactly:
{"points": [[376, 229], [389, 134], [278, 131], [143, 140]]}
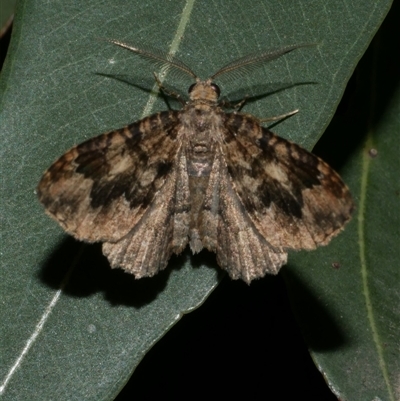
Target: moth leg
{"points": [[175, 95], [277, 118]]}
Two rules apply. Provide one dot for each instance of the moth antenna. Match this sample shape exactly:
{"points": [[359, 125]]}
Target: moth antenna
{"points": [[157, 57], [243, 65]]}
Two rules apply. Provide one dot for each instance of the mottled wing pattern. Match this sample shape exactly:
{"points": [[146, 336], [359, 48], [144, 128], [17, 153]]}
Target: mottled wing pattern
{"points": [[100, 189], [226, 228], [293, 198]]}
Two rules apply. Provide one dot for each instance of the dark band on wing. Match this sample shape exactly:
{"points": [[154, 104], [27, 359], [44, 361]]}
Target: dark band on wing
{"points": [[148, 170]]}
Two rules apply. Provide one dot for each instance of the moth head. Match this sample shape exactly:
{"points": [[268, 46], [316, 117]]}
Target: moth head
{"points": [[204, 90]]}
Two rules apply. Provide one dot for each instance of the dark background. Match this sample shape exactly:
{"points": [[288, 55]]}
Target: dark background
{"points": [[242, 343]]}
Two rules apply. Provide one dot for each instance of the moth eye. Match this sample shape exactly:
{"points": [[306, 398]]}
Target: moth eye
{"points": [[216, 89], [191, 87]]}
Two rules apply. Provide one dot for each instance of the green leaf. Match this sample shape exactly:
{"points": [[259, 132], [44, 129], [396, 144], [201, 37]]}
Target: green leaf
{"points": [[70, 326], [347, 300]]}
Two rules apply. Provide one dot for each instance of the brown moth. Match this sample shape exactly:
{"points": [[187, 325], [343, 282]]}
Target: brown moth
{"points": [[199, 176]]}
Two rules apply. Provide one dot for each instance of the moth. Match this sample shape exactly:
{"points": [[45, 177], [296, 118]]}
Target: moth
{"points": [[200, 176]]}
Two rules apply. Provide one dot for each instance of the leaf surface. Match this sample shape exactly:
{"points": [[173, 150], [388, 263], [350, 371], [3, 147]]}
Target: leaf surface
{"points": [[347, 300]]}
